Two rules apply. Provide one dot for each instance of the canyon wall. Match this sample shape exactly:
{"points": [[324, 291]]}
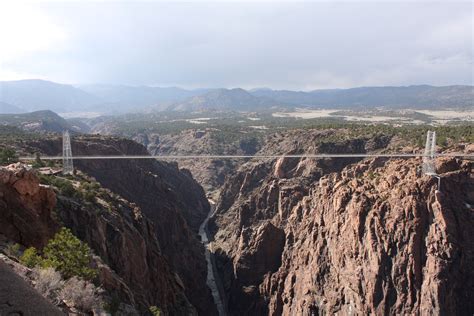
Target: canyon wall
{"points": [[170, 198], [210, 173], [130, 262], [373, 236]]}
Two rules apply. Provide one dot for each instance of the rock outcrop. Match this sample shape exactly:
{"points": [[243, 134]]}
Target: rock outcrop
{"points": [[209, 173], [26, 207], [300, 237], [169, 197], [384, 242], [131, 265]]}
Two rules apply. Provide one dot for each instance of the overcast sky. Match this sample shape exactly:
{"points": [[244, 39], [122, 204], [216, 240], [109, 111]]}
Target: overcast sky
{"points": [[282, 45]]}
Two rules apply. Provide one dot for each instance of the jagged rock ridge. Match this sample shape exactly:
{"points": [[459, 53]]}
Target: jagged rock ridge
{"points": [[301, 237]]}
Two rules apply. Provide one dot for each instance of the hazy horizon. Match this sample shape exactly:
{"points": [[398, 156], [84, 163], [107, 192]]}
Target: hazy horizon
{"points": [[79, 85]]}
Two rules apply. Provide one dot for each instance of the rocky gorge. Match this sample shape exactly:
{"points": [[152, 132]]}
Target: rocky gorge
{"points": [[151, 245], [293, 236], [320, 237]]}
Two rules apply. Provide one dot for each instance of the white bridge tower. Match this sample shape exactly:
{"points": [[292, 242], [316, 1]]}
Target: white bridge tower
{"points": [[429, 155], [68, 167]]}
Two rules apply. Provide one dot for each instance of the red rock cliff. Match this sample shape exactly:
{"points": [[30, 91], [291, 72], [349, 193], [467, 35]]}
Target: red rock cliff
{"points": [[169, 197], [373, 238], [131, 265]]}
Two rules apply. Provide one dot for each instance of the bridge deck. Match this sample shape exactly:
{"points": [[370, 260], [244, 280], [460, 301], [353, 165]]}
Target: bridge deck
{"points": [[316, 156]]}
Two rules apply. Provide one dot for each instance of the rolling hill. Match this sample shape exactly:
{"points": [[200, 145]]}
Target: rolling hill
{"points": [[39, 121], [226, 99]]}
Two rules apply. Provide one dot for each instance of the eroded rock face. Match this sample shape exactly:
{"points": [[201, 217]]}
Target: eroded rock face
{"points": [[209, 173], [130, 262], [135, 269], [370, 238], [170, 198], [389, 245], [26, 207]]}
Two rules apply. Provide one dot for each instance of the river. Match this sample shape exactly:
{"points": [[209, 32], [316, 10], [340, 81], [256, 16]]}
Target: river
{"points": [[211, 279]]}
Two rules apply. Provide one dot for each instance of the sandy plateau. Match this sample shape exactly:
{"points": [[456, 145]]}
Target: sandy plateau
{"points": [[438, 117]]}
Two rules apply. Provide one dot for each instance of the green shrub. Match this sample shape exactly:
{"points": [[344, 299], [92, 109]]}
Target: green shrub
{"points": [[155, 311], [89, 196], [50, 163], [90, 186], [89, 191], [38, 163], [70, 256], [45, 179], [7, 156], [442, 141], [65, 187], [30, 258]]}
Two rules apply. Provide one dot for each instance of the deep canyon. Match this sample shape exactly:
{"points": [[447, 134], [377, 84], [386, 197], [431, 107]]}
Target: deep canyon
{"points": [[286, 237]]}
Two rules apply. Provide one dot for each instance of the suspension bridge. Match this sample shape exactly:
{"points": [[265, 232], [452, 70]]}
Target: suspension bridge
{"points": [[429, 155]]}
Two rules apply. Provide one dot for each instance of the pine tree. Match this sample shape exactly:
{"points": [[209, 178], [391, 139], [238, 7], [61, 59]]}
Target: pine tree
{"points": [[68, 255]]}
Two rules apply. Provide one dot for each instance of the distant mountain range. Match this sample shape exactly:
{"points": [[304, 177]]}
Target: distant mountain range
{"points": [[414, 97], [34, 95], [225, 99], [126, 98]]}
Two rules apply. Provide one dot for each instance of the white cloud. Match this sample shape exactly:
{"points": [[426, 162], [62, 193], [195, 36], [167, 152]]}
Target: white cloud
{"points": [[297, 45], [24, 30]]}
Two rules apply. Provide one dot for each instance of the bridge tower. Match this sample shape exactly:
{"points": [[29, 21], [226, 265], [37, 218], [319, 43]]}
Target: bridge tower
{"points": [[429, 155], [68, 167]]}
